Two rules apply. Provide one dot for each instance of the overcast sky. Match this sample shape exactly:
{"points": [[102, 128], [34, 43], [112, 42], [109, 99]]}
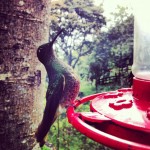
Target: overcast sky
{"points": [[110, 5]]}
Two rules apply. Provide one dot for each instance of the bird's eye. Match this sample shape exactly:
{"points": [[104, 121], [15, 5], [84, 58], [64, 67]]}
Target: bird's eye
{"points": [[39, 50]]}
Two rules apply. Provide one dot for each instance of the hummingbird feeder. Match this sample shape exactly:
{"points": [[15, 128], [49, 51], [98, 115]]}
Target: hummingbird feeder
{"points": [[121, 119]]}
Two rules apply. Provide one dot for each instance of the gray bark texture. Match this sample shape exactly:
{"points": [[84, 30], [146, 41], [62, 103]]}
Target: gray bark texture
{"points": [[23, 27]]}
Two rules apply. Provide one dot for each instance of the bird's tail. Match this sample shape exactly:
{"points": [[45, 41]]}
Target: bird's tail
{"points": [[50, 112]]}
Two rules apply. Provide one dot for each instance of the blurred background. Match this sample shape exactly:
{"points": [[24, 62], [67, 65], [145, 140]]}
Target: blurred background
{"points": [[98, 44]]}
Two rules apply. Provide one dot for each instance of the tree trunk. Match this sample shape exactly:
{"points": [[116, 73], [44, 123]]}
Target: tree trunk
{"points": [[23, 27]]}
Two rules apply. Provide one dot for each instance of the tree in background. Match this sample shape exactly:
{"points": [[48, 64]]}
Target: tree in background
{"points": [[100, 67], [82, 21], [114, 51], [121, 37]]}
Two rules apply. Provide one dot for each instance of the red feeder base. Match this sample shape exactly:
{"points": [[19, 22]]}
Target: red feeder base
{"points": [[117, 120]]}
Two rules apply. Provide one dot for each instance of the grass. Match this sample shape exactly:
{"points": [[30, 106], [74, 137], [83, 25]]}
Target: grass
{"points": [[87, 88], [45, 148]]}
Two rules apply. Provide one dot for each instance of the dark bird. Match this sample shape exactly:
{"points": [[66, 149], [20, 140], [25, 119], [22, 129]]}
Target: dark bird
{"points": [[62, 90]]}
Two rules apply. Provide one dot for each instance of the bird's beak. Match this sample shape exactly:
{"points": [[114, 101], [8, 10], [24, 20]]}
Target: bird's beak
{"points": [[52, 42]]}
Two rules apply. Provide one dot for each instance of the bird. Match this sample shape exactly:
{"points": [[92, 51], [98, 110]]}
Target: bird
{"points": [[63, 87]]}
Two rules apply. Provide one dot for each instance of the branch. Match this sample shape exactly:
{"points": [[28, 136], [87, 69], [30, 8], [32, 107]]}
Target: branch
{"points": [[73, 66], [85, 53]]}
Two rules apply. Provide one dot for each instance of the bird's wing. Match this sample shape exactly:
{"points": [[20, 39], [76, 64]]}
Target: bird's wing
{"points": [[53, 97]]}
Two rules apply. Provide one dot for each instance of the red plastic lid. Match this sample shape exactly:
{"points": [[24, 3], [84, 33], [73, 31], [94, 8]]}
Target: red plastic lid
{"points": [[121, 108], [141, 91], [103, 130]]}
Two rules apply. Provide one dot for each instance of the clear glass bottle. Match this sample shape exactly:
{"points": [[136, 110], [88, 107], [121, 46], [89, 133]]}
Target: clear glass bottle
{"points": [[141, 58]]}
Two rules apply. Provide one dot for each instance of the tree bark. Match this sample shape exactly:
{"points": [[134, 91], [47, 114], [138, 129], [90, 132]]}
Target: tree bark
{"points": [[23, 27]]}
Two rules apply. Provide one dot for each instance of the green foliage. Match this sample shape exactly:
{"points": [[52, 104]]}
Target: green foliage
{"points": [[114, 52], [82, 20], [87, 88], [45, 148]]}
